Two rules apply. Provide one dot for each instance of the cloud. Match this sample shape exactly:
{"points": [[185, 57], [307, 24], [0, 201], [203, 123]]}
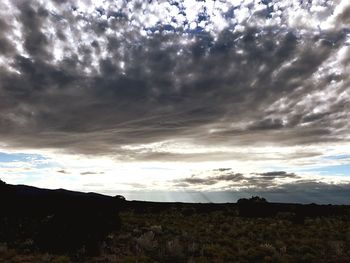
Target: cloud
{"points": [[276, 175], [5, 44], [90, 172], [63, 171], [342, 14], [267, 184], [93, 80], [267, 124], [211, 180]]}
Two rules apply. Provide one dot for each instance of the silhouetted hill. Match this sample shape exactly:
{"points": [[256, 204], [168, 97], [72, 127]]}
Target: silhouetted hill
{"points": [[59, 221]]}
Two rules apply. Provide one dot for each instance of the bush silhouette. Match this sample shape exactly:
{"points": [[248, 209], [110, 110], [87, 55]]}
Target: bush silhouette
{"points": [[255, 207]]}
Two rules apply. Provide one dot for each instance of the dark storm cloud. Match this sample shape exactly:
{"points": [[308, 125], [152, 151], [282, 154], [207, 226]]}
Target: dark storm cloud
{"points": [[211, 180], [268, 179], [222, 169], [199, 181], [267, 124], [88, 103], [5, 45], [91, 173], [306, 191], [35, 41], [314, 117], [294, 187], [277, 174], [63, 171], [303, 191]]}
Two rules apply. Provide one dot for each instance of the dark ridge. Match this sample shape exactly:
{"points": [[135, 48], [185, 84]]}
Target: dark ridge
{"points": [[59, 221], [255, 207]]}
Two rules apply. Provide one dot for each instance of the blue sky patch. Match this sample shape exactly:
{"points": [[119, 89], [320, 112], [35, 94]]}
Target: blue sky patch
{"points": [[337, 157], [37, 160], [19, 157], [342, 169]]}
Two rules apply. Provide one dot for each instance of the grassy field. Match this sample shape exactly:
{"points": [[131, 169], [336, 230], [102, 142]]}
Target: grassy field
{"points": [[189, 233]]}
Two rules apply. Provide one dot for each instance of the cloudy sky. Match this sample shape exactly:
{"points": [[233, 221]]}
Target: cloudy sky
{"points": [[183, 100]]}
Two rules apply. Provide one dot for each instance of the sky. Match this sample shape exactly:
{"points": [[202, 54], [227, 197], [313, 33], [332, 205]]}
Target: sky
{"points": [[188, 100]]}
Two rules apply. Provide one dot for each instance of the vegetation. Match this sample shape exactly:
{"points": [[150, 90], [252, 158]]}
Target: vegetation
{"points": [[176, 232], [184, 233]]}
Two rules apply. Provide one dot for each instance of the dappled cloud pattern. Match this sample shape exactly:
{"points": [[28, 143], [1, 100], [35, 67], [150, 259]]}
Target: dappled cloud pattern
{"points": [[100, 77], [158, 95]]}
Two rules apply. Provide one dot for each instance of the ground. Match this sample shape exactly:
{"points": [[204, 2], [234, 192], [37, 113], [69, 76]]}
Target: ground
{"points": [[188, 233]]}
